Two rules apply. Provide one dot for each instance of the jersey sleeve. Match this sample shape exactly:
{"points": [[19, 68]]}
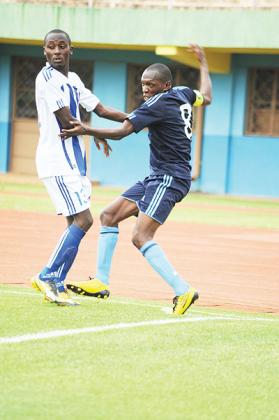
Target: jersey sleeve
{"points": [[148, 113], [87, 99], [54, 95]]}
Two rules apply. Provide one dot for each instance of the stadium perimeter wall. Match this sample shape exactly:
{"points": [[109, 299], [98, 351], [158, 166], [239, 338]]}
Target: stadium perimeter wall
{"points": [[232, 162]]}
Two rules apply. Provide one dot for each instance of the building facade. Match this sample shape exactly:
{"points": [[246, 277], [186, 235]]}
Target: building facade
{"points": [[236, 140]]}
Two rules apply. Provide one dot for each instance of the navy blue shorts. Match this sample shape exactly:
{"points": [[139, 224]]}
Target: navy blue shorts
{"points": [[156, 195]]}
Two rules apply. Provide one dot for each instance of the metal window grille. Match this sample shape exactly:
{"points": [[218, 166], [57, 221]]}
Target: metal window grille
{"points": [[25, 72], [134, 95], [263, 102], [182, 76]]}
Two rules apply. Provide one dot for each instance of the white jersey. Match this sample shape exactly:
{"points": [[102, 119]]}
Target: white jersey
{"points": [[55, 157]]}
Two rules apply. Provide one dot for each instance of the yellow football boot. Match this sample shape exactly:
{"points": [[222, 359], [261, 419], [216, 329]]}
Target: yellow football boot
{"points": [[91, 287], [51, 294], [183, 302]]}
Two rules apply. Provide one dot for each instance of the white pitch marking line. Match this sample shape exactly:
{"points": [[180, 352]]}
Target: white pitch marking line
{"points": [[81, 298], [241, 317], [165, 309], [120, 326]]}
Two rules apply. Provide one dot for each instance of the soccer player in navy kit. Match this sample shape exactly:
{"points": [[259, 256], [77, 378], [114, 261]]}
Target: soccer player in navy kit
{"points": [[167, 112]]}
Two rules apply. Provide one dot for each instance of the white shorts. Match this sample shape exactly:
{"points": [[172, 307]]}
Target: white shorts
{"points": [[70, 194]]}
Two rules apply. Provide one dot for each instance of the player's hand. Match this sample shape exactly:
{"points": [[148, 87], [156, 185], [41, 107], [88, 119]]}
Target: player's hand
{"points": [[197, 51], [106, 147], [78, 129]]}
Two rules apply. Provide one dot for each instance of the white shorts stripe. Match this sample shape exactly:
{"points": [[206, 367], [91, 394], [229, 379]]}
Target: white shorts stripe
{"points": [[70, 193], [65, 193], [155, 205], [57, 179], [160, 186], [158, 195]]}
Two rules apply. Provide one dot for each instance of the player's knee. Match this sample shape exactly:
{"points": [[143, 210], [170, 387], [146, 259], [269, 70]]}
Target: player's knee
{"points": [[85, 221], [106, 218], [138, 239], [88, 222]]}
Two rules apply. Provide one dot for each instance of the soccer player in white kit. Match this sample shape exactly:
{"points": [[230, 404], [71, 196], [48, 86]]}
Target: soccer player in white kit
{"points": [[61, 164]]}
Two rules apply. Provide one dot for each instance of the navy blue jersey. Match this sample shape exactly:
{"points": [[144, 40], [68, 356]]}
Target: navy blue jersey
{"points": [[168, 116]]}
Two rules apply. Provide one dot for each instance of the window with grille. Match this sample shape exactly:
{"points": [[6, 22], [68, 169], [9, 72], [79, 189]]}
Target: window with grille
{"points": [[263, 102], [25, 72], [182, 76]]}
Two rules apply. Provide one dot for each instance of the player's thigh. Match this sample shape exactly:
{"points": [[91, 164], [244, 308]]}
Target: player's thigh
{"points": [[120, 209], [70, 194], [145, 228], [124, 206], [161, 195]]}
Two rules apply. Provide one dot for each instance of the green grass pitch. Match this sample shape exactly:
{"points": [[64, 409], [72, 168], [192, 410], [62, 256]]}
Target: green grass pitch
{"points": [[124, 359]]}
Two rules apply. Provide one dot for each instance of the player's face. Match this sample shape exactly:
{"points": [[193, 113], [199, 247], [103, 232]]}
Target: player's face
{"points": [[151, 85], [57, 51]]}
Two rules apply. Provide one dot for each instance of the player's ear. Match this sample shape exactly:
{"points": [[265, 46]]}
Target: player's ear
{"points": [[71, 50], [167, 85], [44, 51]]}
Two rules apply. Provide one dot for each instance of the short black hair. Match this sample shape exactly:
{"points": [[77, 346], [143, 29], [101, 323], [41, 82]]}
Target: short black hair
{"points": [[162, 71], [58, 31]]}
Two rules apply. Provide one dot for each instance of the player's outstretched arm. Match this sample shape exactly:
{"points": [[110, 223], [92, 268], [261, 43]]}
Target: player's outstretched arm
{"points": [[67, 120], [205, 81], [65, 117], [117, 133], [109, 113]]}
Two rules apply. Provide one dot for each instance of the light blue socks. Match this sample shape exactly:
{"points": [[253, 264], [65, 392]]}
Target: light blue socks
{"points": [[106, 244], [157, 259]]}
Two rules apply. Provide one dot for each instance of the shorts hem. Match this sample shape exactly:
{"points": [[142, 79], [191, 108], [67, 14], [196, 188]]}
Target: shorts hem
{"points": [[151, 217], [72, 214], [133, 201]]}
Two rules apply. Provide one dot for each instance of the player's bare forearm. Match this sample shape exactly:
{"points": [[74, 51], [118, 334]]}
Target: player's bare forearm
{"points": [[117, 133], [65, 117], [205, 81], [110, 113], [107, 133]]}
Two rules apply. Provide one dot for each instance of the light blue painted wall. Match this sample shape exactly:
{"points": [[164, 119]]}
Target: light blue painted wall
{"points": [[5, 95], [253, 162], [129, 159], [254, 166], [232, 162], [216, 137]]}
